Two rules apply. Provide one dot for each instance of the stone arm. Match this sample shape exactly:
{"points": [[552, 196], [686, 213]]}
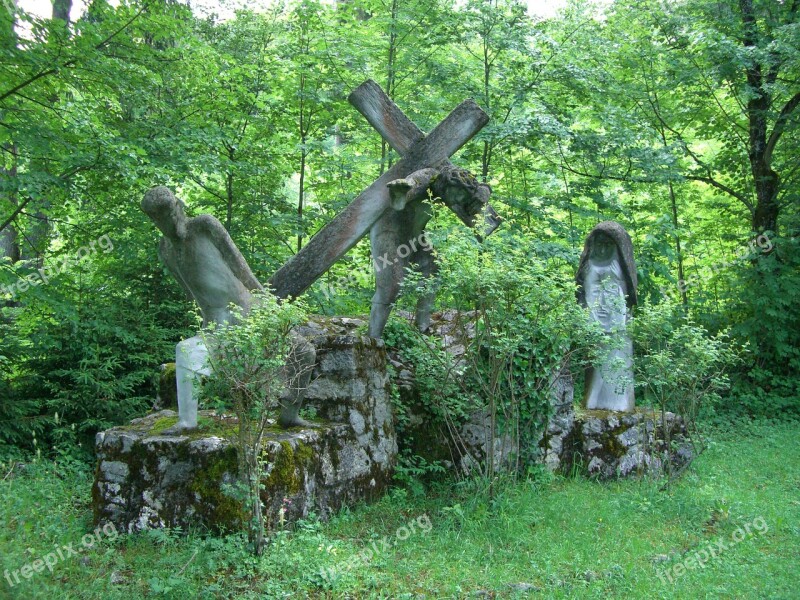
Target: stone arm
{"points": [[412, 188], [167, 255], [210, 226]]}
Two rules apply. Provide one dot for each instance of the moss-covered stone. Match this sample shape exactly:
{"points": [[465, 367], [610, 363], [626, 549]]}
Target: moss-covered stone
{"points": [[608, 444], [146, 478], [215, 504]]}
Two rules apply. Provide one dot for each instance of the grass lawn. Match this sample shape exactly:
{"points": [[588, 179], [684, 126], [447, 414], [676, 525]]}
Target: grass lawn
{"points": [[737, 510]]}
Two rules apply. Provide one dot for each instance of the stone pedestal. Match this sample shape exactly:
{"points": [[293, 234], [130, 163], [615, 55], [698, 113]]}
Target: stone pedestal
{"points": [[560, 422], [607, 445], [145, 479]]}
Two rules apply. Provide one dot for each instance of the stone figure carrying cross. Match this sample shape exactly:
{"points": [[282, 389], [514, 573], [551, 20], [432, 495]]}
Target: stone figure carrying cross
{"points": [[392, 208], [204, 259]]}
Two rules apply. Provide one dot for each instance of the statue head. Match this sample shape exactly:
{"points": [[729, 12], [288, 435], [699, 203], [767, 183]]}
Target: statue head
{"points": [[166, 211], [606, 276], [465, 196]]}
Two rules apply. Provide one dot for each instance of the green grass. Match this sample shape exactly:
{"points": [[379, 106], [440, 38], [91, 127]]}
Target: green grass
{"points": [[550, 537]]}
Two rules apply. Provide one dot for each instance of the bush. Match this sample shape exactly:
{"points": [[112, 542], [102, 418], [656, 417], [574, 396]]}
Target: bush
{"points": [[678, 365], [248, 362], [525, 326], [80, 355]]}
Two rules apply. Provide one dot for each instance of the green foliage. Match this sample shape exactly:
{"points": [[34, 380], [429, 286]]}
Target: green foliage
{"points": [[765, 315], [517, 319], [436, 374], [248, 361], [678, 365], [85, 353]]}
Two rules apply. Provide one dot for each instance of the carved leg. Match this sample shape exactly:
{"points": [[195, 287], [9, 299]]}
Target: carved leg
{"points": [[191, 361], [385, 237], [387, 289], [297, 375], [426, 264]]}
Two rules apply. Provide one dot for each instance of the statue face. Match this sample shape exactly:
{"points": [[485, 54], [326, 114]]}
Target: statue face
{"points": [[166, 212], [605, 285], [603, 249], [465, 204]]}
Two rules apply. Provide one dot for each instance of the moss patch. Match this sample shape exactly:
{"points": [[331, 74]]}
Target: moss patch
{"points": [[164, 423], [289, 468], [207, 426], [217, 508]]}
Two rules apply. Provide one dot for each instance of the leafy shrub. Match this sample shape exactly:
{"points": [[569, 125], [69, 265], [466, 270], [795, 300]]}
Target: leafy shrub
{"points": [[765, 313], [82, 356], [248, 360], [525, 326], [678, 365]]}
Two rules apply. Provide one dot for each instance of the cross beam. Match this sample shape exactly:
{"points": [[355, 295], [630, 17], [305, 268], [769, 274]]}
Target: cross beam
{"points": [[418, 151]]}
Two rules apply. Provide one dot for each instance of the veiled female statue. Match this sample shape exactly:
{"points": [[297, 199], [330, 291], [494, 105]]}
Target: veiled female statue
{"points": [[607, 286]]}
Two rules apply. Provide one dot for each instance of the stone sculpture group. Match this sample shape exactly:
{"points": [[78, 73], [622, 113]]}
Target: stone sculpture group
{"points": [[354, 459], [203, 258]]}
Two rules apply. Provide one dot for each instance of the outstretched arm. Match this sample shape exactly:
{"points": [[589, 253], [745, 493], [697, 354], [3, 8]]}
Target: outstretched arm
{"points": [[230, 253], [167, 255], [412, 188]]}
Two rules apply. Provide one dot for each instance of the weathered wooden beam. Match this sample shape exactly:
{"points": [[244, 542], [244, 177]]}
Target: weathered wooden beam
{"points": [[400, 132], [340, 235], [378, 109]]}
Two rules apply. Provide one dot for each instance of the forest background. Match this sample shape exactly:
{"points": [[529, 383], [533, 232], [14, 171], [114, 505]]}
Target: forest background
{"points": [[677, 119]]}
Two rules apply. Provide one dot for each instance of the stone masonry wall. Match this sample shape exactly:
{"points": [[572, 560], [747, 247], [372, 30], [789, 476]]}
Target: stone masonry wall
{"points": [[145, 479]]}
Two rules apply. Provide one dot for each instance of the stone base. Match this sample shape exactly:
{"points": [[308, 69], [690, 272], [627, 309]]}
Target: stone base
{"points": [[145, 479], [608, 445], [561, 421]]}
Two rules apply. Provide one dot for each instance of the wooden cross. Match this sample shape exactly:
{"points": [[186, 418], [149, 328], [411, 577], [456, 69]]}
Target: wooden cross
{"points": [[417, 151]]}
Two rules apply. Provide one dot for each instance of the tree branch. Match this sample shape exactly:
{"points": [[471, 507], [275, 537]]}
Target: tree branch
{"points": [[15, 214], [72, 61], [780, 126]]}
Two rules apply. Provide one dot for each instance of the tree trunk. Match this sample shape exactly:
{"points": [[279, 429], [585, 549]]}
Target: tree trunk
{"points": [[301, 196], [37, 237], [391, 63], [674, 204], [9, 245], [766, 181], [61, 10]]}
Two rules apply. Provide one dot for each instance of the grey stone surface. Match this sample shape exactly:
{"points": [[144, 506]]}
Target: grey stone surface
{"points": [[145, 479], [609, 445], [560, 422], [607, 285]]}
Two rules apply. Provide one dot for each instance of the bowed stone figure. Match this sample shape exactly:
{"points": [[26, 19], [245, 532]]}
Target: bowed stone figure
{"points": [[398, 240], [607, 286], [209, 267]]}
